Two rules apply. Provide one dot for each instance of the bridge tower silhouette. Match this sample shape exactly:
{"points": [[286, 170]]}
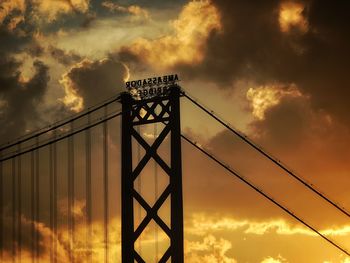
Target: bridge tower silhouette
{"points": [[163, 109]]}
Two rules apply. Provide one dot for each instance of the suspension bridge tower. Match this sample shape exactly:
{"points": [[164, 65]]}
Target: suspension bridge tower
{"points": [[153, 100]]}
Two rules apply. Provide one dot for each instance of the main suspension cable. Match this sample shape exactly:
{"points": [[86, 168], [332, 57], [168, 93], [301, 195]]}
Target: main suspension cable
{"points": [[59, 124], [60, 137], [268, 156], [261, 192]]}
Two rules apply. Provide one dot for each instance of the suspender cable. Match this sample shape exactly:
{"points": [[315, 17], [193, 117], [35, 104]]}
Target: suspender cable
{"points": [[37, 196], [54, 157], [35, 185], [34, 171], [155, 134], [51, 201], [14, 209], [105, 185], [19, 204], [32, 205], [1, 210], [70, 194], [261, 192], [88, 191], [268, 156]]}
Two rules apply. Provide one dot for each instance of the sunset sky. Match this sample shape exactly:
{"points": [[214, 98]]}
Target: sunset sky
{"points": [[276, 70]]}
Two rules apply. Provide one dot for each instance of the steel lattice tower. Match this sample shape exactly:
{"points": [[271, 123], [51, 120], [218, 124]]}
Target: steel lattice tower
{"points": [[169, 116]]}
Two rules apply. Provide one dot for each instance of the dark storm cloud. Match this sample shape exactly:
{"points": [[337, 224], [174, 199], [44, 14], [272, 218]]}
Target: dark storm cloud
{"points": [[94, 81], [19, 99], [10, 42], [248, 36], [286, 123], [324, 72], [252, 45]]}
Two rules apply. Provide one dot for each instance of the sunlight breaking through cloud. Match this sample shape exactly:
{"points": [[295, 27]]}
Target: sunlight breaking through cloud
{"points": [[264, 97], [291, 16], [187, 44], [202, 224]]}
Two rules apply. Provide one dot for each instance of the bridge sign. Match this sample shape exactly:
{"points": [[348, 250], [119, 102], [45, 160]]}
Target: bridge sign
{"points": [[151, 87]]}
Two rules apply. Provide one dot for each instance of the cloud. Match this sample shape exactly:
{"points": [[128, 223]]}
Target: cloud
{"points": [[291, 16], [276, 127], [20, 97], [274, 260], [209, 250], [134, 10], [89, 82], [264, 97], [64, 57], [51, 10], [64, 248], [209, 244], [209, 235], [12, 11], [258, 43], [187, 45], [8, 6], [202, 224]]}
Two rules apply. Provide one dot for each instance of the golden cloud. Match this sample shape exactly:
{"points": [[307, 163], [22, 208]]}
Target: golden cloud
{"points": [[51, 9], [264, 97], [204, 242], [209, 250], [132, 9], [46, 236], [187, 44], [72, 100], [291, 16], [15, 21], [202, 224], [79, 249], [9, 6], [274, 260]]}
